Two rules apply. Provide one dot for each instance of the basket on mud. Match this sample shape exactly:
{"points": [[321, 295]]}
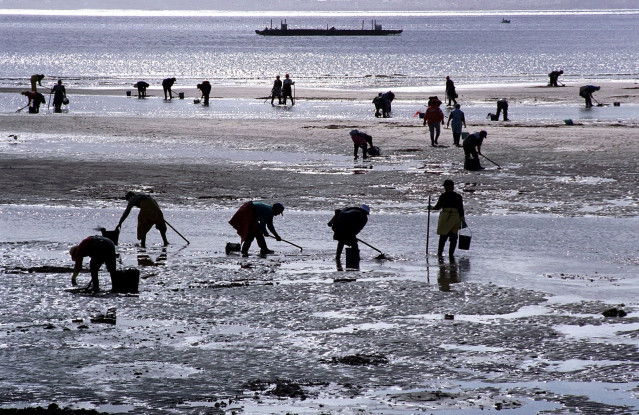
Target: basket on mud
{"points": [[113, 235], [464, 239], [125, 281]]}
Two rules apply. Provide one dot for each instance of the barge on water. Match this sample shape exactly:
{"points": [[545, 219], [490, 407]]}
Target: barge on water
{"points": [[283, 30]]}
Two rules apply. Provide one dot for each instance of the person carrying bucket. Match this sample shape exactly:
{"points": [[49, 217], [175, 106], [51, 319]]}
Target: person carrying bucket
{"points": [[59, 94], [451, 217], [101, 250], [252, 221], [346, 224], [150, 214]]}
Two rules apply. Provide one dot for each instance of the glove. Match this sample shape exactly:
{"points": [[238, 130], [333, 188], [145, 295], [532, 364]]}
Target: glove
{"points": [[463, 225], [277, 238], [430, 207]]}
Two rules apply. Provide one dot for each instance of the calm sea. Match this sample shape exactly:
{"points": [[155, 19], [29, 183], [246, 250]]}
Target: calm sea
{"points": [[474, 48]]}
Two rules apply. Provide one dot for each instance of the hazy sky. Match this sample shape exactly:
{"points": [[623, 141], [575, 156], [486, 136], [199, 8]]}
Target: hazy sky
{"points": [[327, 5]]}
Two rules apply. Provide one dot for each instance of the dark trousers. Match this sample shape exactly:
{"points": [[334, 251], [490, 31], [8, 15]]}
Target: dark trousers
{"points": [[456, 138], [288, 94], [249, 240], [452, 245], [364, 150], [502, 106], [340, 246], [106, 257]]}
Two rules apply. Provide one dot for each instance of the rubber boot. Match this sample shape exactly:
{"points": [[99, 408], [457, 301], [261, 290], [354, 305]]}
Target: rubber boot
{"points": [[442, 243]]}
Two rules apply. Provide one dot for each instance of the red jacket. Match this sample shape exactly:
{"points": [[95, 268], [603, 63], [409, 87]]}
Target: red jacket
{"points": [[433, 114]]}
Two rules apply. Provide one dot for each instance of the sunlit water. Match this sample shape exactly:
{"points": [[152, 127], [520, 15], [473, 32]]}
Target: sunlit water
{"points": [[107, 51]]}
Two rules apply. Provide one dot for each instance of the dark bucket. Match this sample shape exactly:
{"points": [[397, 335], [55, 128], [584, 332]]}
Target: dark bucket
{"points": [[352, 258], [231, 247], [125, 281], [128, 93], [181, 95], [464, 241], [113, 235], [464, 135]]}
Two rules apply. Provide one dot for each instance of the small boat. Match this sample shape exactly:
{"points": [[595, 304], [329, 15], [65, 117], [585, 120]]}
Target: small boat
{"points": [[283, 30], [505, 21]]}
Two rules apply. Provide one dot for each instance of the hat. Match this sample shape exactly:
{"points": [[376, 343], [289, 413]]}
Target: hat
{"points": [[366, 208], [278, 206], [483, 133]]}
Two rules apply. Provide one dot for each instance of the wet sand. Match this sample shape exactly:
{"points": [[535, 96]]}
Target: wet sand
{"points": [[552, 250]]}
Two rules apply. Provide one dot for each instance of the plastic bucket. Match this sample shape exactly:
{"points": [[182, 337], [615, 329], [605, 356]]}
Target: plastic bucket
{"points": [[181, 95], [113, 235], [128, 93], [125, 281], [463, 241], [352, 258], [464, 135], [231, 247]]}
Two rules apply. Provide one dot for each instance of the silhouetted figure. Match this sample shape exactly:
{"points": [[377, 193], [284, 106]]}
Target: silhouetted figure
{"points": [[59, 94], [205, 87], [35, 81], [472, 149], [276, 91], [167, 84], [361, 140], [586, 93], [346, 224], [252, 221], [451, 217], [141, 86], [458, 122], [554, 76], [101, 250], [451, 94], [35, 100], [150, 214], [287, 89]]}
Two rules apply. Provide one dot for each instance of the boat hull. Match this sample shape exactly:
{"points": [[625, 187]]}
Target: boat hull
{"points": [[327, 32]]}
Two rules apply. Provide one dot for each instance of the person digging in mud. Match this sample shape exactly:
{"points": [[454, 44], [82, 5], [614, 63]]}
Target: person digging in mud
{"points": [[554, 77], [167, 84], [35, 100], [252, 221], [205, 88], [141, 86], [35, 81], [363, 140], [101, 250], [451, 217], [472, 150], [586, 92], [346, 224], [150, 214]]}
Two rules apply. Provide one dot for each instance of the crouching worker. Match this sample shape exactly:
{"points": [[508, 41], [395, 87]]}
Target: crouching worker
{"points": [[472, 150], [363, 140], [101, 250], [451, 217], [252, 220], [346, 224], [150, 214]]}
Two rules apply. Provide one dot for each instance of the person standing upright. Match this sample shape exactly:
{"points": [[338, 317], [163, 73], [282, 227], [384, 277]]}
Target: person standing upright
{"points": [[458, 121], [59, 94], [287, 89], [434, 118], [451, 94], [451, 217], [276, 91]]}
